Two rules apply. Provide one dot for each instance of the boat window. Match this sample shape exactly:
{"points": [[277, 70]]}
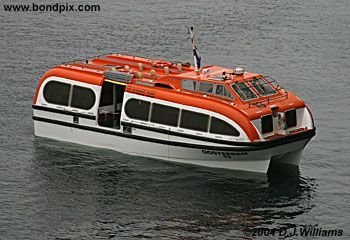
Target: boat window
{"points": [[206, 87], [218, 126], [83, 98], [164, 114], [244, 92], [57, 93], [291, 118], [262, 87], [137, 109], [189, 85], [194, 121], [266, 124], [222, 90]]}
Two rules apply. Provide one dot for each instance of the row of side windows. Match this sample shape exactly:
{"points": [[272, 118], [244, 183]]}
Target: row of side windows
{"points": [[207, 87], [141, 110], [59, 93]]}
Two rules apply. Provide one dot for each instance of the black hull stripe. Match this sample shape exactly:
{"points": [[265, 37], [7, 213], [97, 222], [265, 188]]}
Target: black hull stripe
{"points": [[271, 143], [184, 135], [286, 140], [55, 110]]}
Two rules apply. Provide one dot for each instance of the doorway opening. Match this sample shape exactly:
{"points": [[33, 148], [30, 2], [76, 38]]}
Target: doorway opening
{"points": [[111, 102]]}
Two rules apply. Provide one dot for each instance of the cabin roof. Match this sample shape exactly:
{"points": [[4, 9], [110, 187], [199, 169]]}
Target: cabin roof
{"points": [[144, 69], [160, 74]]}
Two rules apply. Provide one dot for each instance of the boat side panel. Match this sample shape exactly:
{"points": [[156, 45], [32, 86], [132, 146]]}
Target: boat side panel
{"points": [[146, 149], [100, 140], [256, 161]]}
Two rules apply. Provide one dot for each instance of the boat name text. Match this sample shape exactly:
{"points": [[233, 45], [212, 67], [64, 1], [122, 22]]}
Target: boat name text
{"points": [[224, 154]]}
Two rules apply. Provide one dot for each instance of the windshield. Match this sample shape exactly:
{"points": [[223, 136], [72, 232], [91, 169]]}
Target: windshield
{"points": [[244, 92], [262, 86]]}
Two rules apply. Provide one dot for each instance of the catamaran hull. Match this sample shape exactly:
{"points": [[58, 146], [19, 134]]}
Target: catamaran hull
{"points": [[248, 158]]}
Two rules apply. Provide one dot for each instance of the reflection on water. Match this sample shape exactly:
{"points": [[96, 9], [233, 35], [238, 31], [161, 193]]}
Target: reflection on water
{"points": [[80, 191]]}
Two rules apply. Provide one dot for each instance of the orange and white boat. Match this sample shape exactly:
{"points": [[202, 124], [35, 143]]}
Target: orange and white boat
{"points": [[210, 116]]}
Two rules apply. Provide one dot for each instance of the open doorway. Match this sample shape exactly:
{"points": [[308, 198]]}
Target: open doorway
{"points": [[111, 102]]}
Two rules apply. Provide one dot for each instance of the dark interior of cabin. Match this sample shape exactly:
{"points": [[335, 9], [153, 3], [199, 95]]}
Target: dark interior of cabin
{"points": [[110, 107]]}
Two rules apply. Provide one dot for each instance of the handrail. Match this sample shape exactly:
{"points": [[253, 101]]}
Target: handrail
{"points": [[261, 102], [269, 81], [84, 59]]}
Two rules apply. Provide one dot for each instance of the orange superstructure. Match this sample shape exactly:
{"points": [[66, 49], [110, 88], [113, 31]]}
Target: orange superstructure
{"points": [[162, 79]]}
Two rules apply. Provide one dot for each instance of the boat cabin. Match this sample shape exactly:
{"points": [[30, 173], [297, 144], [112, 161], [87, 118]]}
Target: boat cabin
{"points": [[117, 91]]}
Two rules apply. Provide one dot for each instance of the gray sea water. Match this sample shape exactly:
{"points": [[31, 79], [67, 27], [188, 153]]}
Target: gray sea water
{"points": [[55, 190]]}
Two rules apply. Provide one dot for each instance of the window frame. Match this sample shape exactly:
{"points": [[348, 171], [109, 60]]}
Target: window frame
{"points": [[192, 90], [213, 92], [224, 87], [72, 94], [288, 118], [62, 83], [136, 99], [247, 87], [166, 106], [225, 122], [265, 83], [191, 129], [202, 83], [261, 122]]}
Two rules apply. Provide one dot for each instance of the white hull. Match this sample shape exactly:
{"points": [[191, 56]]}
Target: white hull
{"points": [[205, 154]]}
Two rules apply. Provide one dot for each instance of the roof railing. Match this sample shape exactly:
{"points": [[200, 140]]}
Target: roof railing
{"points": [[264, 102], [84, 60], [277, 89]]}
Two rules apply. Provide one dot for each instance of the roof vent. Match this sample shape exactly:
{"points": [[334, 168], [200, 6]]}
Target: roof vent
{"points": [[118, 76], [163, 85], [239, 70]]}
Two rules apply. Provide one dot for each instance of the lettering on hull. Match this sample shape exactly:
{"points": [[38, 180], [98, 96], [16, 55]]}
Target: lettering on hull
{"points": [[224, 154]]}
